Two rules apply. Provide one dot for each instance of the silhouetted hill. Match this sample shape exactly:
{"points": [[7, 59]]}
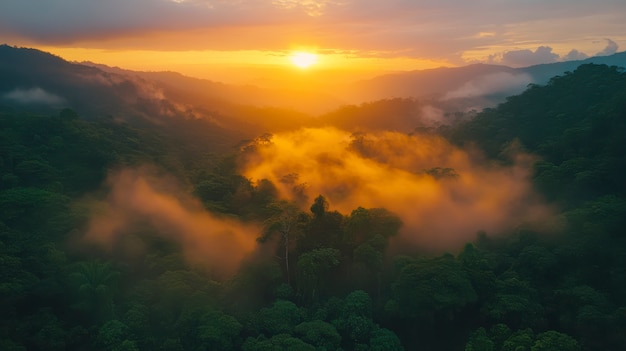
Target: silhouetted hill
{"points": [[40, 82], [431, 82], [31, 77], [474, 86], [576, 123], [541, 74], [35, 81], [204, 92]]}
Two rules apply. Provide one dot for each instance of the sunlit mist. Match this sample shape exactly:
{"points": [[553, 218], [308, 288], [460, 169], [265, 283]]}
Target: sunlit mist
{"points": [[443, 194], [137, 196]]}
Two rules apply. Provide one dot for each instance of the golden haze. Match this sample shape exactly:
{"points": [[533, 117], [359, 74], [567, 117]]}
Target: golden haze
{"points": [[272, 69], [138, 196], [443, 194]]}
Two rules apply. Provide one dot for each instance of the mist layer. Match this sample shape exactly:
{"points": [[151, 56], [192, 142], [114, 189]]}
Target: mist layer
{"points": [[136, 197], [443, 194]]}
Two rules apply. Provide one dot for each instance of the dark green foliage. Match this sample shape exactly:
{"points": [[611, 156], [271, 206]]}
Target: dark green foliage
{"points": [[319, 334], [321, 280], [439, 286], [281, 342], [552, 340], [479, 341], [575, 123], [385, 340], [312, 269], [281, 318], [113, 335]]}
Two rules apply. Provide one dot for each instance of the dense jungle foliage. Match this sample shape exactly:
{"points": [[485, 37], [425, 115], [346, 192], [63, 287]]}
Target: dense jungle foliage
{"points": [[525, 290]]}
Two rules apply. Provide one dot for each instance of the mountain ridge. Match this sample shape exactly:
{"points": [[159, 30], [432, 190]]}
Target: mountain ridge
{"points": [[47, 83], [438, 82]]}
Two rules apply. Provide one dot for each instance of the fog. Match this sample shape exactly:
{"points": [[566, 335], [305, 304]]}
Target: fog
{"points": [[138, 197], [443, 194], [33, 96], [502, 83]]}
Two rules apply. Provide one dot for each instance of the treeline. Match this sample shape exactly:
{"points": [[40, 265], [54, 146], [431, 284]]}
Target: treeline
{"points": [[322, 280]]}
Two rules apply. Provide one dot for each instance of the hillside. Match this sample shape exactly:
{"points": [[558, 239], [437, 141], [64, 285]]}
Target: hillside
{"points": [[575, 123], [473, 86], [36, 81], [226, 97], [148, 230]]}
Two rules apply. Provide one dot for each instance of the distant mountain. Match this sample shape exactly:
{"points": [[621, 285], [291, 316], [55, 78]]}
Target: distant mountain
{"points": [[35, 81], [541, 74], [204, 92], [40, 82], [473, 86], [576, 124]]}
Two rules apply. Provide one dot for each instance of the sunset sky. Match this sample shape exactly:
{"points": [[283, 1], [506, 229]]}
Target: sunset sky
{"points": [[241, 40]]}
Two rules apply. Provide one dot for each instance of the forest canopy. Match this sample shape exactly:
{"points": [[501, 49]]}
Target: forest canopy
{"points": [[114, 236]]}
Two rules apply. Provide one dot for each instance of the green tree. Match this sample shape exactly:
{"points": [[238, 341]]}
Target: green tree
{"points": [[218, 331], [280, 342], [479, 341], [515, 302], [311, 269], [553, 340], [282, 317], [355, 321], [521, 340], [320, 334], [363, 224], [286, 221], [385, 340], [114, 336], [95, 284], [432, 287], [323, 230]]}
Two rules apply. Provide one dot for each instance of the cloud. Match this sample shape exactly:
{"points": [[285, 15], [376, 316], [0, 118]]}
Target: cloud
{"points": [[497, 83], [610, 49], [443, 195], [523, 58], [575, 55], [313, 8], [33, 96], [420, 29], [137, 196]]}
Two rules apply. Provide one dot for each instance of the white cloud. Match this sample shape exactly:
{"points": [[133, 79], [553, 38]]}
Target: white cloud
{"points": [[610, 49], [522, 58], [574, 55], [501, 82], [33, 96], [428, 29], [313, 8]]}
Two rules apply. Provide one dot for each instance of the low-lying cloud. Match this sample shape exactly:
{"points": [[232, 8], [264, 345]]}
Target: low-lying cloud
{"points": [[544, 54], [575, 55], [33, 96], [610, 49], [136, 197], [520, 58], [443, 194], [502, 83]]}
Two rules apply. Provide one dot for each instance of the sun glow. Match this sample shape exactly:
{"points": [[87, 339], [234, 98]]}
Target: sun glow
{"points": [[303, 59]]}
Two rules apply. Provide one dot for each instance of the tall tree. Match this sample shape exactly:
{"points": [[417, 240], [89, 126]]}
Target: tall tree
{"points": [[286, 222]]}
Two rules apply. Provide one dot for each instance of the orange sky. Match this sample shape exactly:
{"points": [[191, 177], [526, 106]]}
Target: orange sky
{"points": [[249, 41], [246, 66]]}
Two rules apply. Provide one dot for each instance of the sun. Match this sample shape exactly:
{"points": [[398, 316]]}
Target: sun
{"points": [[303, 59]]}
